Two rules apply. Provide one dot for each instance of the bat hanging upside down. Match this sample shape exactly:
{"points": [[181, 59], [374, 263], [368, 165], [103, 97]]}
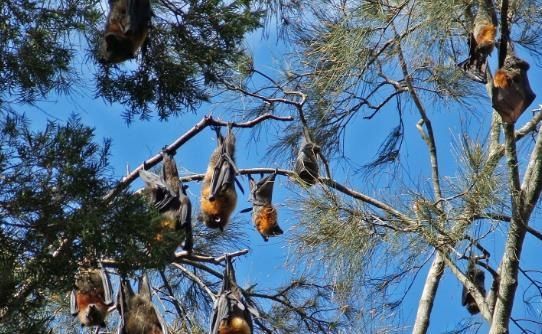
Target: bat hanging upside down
{"points": [[218, 194], [512, 93], [138, 315], [168, 195], [232, 311], [92, 296], [126, 29], [477, 277], [264, 214], [481, 41], [306, 165]]}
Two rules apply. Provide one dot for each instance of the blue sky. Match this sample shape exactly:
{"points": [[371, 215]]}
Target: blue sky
{"points": [[265, 264]]}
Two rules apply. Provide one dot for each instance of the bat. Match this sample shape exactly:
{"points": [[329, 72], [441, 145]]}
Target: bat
{"points": [[137, 313], [481, 42], [218, 195], [264, 214], [512, 93], [306, 165], [232, 311], [126, 29], [168, 195], [477, 277], [91, 297]]}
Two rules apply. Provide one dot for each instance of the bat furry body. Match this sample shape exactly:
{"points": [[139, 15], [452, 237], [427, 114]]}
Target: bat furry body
{"points": [[481, 41], [264, 214], [306, 165], [512, 93], [232, 311], [91, 297], [168, 195], [218, 195], [477, 276], [138, 315], [126, 29]]}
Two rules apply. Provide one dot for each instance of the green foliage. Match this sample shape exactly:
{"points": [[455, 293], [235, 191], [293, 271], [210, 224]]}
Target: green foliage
{"points": [[35, 46], [54, 215], [187, 49]]}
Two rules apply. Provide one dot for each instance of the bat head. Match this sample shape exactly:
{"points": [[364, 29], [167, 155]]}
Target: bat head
{"points": [[94, 316], [116, 48]]}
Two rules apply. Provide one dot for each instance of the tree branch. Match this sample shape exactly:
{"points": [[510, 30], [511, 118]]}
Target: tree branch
{"points": [[205, 122]]}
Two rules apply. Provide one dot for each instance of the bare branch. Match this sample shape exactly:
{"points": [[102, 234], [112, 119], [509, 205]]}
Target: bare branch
{"points": [[197, 280], [205, 122]]}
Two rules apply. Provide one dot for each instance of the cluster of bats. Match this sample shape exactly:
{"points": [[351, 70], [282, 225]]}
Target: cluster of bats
{"points": [[92, 296], [126, 31], [511, 92], [511, 95]]}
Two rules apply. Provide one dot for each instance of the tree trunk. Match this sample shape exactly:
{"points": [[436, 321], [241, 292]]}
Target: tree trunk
{"points": [[428, 295]]}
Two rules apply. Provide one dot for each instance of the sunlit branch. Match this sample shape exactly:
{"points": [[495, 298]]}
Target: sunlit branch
{"points": [[171, 148], [326, 181]]}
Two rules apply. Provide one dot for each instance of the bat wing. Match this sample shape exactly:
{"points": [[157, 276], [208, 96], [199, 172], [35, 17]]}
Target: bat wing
{"points": [[74, 308], [221, 311], [162, 194], [108, 290], [139, 16], [263, 190], [186, 220], [475, 66], [306, 166]]}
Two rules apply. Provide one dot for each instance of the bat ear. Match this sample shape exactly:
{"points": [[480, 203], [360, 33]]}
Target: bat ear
{"points": [[145, 287]]}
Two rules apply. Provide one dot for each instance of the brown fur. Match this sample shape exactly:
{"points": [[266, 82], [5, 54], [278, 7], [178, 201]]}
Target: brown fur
{"points": [[216, 213], [485, 37], [90, 292], [235, 325], [265, 219], [122, 40], [141, 317], [501, 79]]}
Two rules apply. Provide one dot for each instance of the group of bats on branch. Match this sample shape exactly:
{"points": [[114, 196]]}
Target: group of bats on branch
{"points": [[126, 31], [510, 89], [511, 95], [92, 295]]}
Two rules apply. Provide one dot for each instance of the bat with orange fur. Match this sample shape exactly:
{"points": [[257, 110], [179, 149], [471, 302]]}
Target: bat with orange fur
{"points": [[481, 41], [264, 214], [512, 93], [126, 29], [232, 312], [218, 195], [92, 296], [168, 195]]}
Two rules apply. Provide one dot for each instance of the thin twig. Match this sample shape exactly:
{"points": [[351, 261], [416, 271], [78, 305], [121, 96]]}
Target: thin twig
{"points": [[210, 259], [197, 280]]}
